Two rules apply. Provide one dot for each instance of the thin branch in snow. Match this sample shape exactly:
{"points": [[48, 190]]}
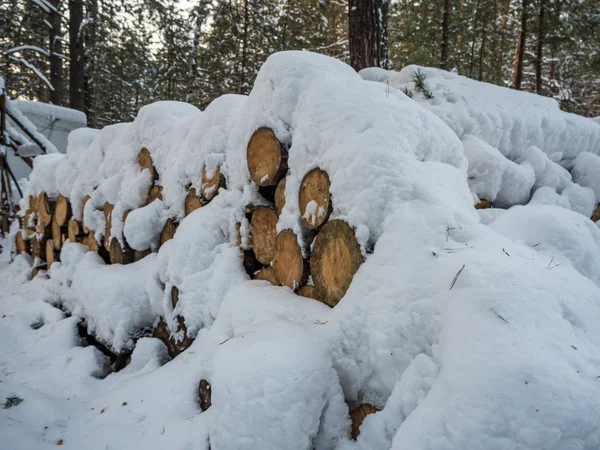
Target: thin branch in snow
{"points": [[550, 263], [505, 252], [27, 47], [34, 69], [500, 317], [456, 276]]}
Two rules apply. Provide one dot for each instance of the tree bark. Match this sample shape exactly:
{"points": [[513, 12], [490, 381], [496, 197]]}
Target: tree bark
{"points": [[367, 33], [76, 96], [244, 50], [56, 96], [518, 66], [540, 48], [445, 29]]}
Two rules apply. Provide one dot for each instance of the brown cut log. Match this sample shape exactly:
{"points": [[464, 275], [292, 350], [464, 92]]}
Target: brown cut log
{"points": [[155, 194], [63, 239], [162, 332], [108, 210], [192, 202], [83, 227], [211, 185], [204, 395], [596, 215], [91, 242], [145, 161], [119, 254], [267, 158], [264, 233], [137, 255], [308, 291], [29, 222], [75, 231], [33, 203], [483, 204], [168, 231], [314, 199], [174, 296], [268, 274], [358, 416], [63, 210], [335, 259], [42, 230], [36, 270], [22, 245], [57, 233], [52, 254], [45, 209], [280, 196], [291, 269]]}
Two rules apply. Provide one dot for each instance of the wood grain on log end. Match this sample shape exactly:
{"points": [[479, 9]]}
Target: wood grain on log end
{"points": [[267, 158], [211, 184], [358, 416], [280, 196], [264, 233], [483, 204], [137, 255], [335, 259], [145, 161], [62, 212], [154, 194], [168, 231], [22, 245], [314, 199], [596, 215], [291, 269], [120, 254], [51, 253], [45, 209], [268, 274]]}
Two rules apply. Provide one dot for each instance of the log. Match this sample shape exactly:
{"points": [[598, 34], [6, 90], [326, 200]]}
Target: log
{"points": [[314, 199], [192, 202], [119, 254], [280, 196], [483, 204], [204, 395], [267, 158], [52, 254], [75, 231], [168, 231], [291, 269], [211, 185], [42, 230], [335, 259], [174, 296], [57, 233], [358, 416], [264, 233], [29, 222], [596, 215], [62, 212], [22, 245], [108, 209], [83, 227], [91, 242], [36, 270], [268, 274], [38, 247], [308, 291], [154, 194], [45, 209], [32, 203], [137, 255], [162, 332], [145, 161]]}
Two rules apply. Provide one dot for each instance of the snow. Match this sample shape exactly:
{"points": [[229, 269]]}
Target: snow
{"points": [[57, 112], [465, 328], [585, 169]]}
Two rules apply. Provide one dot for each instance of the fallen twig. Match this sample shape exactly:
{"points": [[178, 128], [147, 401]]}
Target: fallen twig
{"points": [[456, 276]]}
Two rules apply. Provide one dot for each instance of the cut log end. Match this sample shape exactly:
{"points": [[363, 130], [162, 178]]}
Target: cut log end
{"points": [[358, 416], [192, 202], [51, 253], [108, 210], [268, 274], [137, 255], [62, 211], [335, 259], [168, 231], [120, 254], [308, 291], [22, 245], [91, 242], [280, 196], [596, 215], [314, 199], [483, 204], [267, 158], [264, 233], [45, 209], [57, 233], [290, 268], [145, 161], [211, 184], [155, 194], [174, 296], [75, 231]]}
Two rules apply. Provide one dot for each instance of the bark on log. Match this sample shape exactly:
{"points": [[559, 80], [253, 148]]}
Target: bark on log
{"points": [[168, 231], [596, 215], [36, 270], [45, 209], [91, 242], [314, 199], [204, 395], [267, 158], [268, 274], [211, 185], [29, 222], [52, 254], [145, 161], [291, 269], [75, 231], [22, 245], [192, 202], [174, 296], [308, 291], [154, 194], [137, 255], [483, 204], [335, 259], [264, 233], [358, 415], [280, 196], [57, 233], [119, 254], [251, 265], [63, 210], [108, 210], [83, 227]]}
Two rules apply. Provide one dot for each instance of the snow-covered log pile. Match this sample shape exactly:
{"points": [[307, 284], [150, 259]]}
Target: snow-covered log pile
{"points": [[399, 310]]}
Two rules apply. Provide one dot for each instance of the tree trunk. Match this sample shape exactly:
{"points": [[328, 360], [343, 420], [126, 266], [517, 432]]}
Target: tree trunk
{"points": [[367, 33], [445, 29], [244, 50], [540, 48], [56, 96], [76, 97], [518, 66], [89, 66]]}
